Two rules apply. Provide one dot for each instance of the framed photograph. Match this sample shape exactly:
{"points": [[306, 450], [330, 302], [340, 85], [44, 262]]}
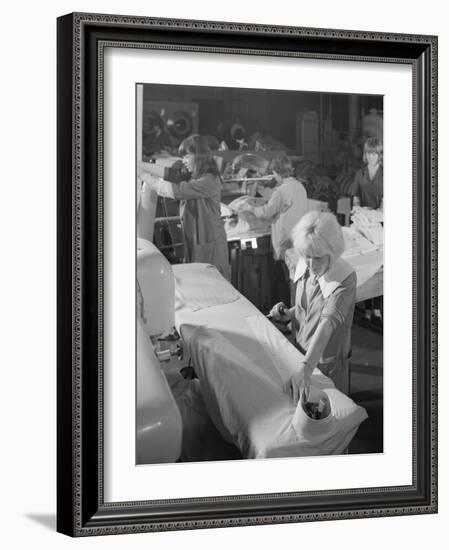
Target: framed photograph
{"points": [[247, 313]]}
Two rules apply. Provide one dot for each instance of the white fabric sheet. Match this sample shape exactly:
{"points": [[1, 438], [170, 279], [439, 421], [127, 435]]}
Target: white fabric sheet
{"points": [[356, 243], [202, 286], [242, 362], [366, 265], [369, 223]]}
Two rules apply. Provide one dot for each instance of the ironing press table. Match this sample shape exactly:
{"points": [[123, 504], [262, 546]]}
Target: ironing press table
{"points": [[242, 362]]}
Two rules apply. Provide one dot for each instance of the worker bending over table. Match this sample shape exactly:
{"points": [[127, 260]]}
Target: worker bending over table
{"points": [[286, 206], [321, 317]]}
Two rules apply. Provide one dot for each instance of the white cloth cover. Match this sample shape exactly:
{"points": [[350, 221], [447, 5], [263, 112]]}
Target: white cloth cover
{"points": [[242, 362], [202, 286], [356, 243], [366, 265], [369, 223]]}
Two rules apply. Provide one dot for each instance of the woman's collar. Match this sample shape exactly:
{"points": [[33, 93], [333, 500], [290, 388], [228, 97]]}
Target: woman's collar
{"points": [[333, 277]]}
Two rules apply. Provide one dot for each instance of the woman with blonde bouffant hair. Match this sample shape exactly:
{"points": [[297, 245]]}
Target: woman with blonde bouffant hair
{"points": [[324, 304]]}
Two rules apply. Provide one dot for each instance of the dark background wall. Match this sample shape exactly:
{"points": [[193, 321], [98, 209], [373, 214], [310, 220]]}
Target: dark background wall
{"points": [[271, 112]]}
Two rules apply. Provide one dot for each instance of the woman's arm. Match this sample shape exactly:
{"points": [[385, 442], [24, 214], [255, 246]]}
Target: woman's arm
{"points": [[185, 190], [338, 306], [354, 189], [301, 380], [271, 209], [199, 188], [162, 187], [319, 342]]}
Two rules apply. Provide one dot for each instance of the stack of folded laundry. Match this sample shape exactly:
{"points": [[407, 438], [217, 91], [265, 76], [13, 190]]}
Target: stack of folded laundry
{"points": [[369, 223], [356, 243]]}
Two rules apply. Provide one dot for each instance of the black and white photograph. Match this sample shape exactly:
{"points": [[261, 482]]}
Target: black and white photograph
{"points": [[184, 172], [260, 263]]}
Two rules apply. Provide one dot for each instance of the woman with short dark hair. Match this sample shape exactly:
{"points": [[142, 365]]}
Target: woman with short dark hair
{"points": [[368, 186], [367, 190]]}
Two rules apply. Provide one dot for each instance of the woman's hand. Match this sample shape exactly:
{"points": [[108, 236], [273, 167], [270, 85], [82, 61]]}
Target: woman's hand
{"points": [[300, 382], [150, 180], [280, 312], [253, 202], [142, 167], [145, 175]]}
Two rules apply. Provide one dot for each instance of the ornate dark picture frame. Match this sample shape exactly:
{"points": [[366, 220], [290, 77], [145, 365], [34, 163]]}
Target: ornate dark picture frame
{"points": [[81, 510]]}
